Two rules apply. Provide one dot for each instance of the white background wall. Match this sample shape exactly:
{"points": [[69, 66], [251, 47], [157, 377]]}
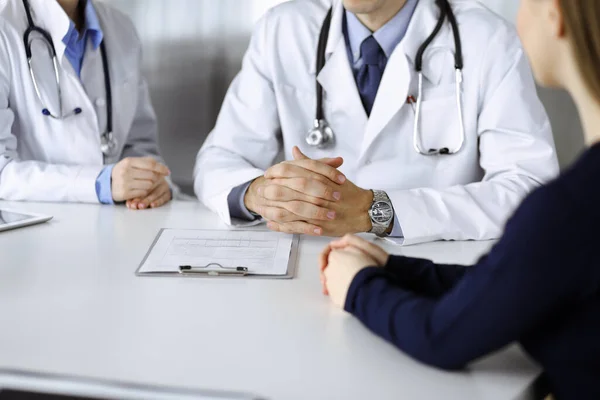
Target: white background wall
{"points": [[193, 48]]}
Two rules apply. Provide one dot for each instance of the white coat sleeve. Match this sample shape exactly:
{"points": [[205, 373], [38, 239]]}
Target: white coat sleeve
{"points": [[33, 180], [247, 137], [142, 138], [517, 154]]}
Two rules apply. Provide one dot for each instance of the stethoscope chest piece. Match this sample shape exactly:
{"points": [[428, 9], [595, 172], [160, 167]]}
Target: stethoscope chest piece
{"points": [[108, 144], [321, 135]]}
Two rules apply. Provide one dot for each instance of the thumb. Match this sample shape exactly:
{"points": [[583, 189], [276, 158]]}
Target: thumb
{"points": [[332, 162], [298, 155]]}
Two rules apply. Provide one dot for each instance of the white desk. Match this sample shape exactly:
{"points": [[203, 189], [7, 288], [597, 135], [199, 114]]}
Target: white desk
{"points": [[70, 303]]}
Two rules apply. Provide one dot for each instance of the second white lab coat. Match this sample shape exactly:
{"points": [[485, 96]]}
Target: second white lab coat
{"points": [[46, 160], [270, 106]]}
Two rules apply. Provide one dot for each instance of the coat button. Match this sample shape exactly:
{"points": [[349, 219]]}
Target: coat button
{"points": [[100, 102]]}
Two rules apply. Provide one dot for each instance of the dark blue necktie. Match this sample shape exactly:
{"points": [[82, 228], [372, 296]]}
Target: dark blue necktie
{"points": [[369, 75]]}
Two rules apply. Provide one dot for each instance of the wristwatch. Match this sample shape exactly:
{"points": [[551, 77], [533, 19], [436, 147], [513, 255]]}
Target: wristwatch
{"points": [[381, 213]]}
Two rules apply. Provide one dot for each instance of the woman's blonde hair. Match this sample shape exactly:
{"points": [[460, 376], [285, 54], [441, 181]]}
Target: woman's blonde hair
{"points": [[582, 21]]}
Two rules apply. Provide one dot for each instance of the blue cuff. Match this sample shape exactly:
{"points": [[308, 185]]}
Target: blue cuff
{"points": [[104, 185], [397, 230], [235, 200]]}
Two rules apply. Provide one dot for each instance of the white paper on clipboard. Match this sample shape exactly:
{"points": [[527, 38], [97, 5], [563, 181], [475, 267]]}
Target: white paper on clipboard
{"points": [[263, 253]]}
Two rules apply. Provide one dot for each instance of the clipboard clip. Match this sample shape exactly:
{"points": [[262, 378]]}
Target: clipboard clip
{"points": [[221, 271]]}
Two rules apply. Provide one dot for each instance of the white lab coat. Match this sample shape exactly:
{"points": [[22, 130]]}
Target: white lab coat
{"points": [[46, 160], [270, 106]]}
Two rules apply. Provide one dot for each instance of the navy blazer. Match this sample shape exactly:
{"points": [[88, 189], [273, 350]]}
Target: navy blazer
{"points": [[540, 286]]}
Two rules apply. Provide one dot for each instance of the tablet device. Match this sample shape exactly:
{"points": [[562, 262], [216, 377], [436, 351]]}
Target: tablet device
{"points": [[10, 219]]}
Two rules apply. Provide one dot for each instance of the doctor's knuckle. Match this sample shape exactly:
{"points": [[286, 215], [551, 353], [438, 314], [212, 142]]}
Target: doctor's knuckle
{"points": [[313, 165], [318, 213], [283, 169], [274, 193], [280, 214], [298, 207], [303, 184]]}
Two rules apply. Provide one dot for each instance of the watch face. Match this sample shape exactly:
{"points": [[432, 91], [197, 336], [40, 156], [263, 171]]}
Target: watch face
{"points": [[382, 212]]}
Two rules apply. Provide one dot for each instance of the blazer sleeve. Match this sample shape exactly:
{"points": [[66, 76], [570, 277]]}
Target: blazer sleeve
{"points": [[499, 300], [423, 276]]}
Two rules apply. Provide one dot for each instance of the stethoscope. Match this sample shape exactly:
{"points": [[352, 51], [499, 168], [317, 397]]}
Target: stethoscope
{"points": [[108, 142], [322, 136]]}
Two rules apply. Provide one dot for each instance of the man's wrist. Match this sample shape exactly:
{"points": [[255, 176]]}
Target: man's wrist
{"points": [[365, 221], [250, 194]]}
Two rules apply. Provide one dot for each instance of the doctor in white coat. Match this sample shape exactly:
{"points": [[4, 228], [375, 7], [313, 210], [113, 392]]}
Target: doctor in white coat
{"points": [[91, 135], [371, 100]]}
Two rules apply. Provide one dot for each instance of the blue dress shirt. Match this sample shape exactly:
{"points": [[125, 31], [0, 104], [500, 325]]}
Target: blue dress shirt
{"points": [[76, 44], [388, 37]]}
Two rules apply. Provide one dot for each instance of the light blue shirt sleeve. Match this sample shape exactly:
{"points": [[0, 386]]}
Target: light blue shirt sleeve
{"points": [[104, 185]]}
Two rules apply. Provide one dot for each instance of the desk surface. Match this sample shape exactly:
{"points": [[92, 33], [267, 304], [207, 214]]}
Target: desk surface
{"points": [[70, 303]]}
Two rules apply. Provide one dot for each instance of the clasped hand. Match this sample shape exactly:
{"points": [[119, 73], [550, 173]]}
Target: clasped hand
{"points": [[342, 260], [310, 197], [141, 183]]}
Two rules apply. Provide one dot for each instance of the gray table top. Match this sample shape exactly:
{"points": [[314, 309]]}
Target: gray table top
{"points": [[70, 303]]}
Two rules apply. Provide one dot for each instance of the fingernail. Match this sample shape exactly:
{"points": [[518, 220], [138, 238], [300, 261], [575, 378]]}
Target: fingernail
{"points": [[341, 179], [331, 214], [337, 195], [142, 206], [317, 231], [269, 225]]}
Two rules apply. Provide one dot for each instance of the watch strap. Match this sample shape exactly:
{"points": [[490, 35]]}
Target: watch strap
{"points": [[378, 228]]}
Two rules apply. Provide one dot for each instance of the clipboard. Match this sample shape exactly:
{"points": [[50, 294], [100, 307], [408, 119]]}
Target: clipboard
{"points": [[214, 270]]}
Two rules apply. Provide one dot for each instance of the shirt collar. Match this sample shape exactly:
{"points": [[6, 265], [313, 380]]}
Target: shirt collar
{"points": [[388, 36], [92, 29]]}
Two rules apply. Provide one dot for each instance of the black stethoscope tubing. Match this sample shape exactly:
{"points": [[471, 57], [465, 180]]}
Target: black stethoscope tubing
{"points": [[32, 28], [445, 12]]}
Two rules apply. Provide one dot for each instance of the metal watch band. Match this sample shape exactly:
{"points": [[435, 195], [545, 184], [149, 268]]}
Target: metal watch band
{"points": [[378, 228]]}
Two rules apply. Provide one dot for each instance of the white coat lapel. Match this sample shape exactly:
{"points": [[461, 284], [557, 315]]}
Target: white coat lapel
{"points": [[396, 81], [391, 97], [336, 77]]}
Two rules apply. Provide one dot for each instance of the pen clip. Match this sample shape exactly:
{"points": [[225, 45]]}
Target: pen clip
{"points": [[203, 270]]}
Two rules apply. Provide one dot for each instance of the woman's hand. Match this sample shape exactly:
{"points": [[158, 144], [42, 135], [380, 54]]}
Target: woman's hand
{"points": [[379, 256], [342, 267], [158, 197]]}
